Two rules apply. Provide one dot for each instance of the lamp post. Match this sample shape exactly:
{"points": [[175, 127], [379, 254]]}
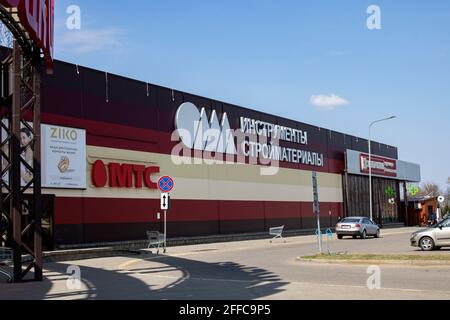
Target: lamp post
{"points": [[370, 161]]}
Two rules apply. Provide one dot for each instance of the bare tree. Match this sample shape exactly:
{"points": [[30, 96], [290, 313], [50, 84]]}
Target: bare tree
{"points": [[430, 189], [445, 207]]}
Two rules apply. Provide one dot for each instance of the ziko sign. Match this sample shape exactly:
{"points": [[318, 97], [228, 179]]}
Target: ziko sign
{"points": [[380, 166], [123, 175], [37, 18]]}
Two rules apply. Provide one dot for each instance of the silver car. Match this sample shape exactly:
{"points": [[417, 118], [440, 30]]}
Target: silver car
{"points": [[432, 238], [357, 227]]}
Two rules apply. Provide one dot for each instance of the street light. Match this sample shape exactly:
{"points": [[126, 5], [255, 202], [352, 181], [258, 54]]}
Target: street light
{"points": [[370, 161]]}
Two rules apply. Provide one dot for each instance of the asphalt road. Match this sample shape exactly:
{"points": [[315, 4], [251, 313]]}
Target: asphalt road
{"points": [[243, 270]]}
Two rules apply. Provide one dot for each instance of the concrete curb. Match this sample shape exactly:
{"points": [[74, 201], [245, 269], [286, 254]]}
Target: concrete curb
{"points": [[84, 254], [424, 263], [132, 248], [186, 241]]}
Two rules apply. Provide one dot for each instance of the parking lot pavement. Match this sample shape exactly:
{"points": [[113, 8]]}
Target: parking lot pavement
{"points": [[293, 241], [242, 270]]}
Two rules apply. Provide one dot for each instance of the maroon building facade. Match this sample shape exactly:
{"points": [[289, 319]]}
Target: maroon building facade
{"points": [[129, 122]]}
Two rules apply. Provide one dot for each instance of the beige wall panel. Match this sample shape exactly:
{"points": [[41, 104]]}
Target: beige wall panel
{"points": [[212, 182]]}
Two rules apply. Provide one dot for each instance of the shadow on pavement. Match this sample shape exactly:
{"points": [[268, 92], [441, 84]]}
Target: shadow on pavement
{"points": [[157, 278]]}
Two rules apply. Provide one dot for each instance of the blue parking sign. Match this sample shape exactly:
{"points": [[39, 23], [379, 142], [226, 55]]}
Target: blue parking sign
{"points": [[166, 184]]}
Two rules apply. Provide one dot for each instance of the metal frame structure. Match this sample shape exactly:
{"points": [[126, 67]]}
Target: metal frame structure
{"points": [[21, 111], [7, 17]]}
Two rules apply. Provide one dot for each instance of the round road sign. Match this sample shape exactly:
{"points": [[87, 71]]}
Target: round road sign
{"points": [[166, 184]]}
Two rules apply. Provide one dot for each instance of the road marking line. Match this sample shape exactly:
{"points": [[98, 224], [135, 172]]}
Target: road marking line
{"points": [[125, 265], [297, 283], [364, 287], [128, 263]]}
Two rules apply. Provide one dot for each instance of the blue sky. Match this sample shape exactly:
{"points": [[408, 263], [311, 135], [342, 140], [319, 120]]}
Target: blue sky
{"points": [[273, 56]]}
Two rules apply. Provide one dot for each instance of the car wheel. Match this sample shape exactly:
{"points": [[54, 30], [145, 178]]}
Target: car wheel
{"points": [[377, 235], [340, 237], [426, 244], [364, 235]]}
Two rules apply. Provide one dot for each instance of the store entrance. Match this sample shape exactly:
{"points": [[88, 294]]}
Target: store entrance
{"points": [[48, 202], [47, 222]]}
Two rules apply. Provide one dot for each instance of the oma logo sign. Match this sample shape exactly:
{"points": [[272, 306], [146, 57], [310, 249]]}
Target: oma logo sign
{"points": [[198, 133]]}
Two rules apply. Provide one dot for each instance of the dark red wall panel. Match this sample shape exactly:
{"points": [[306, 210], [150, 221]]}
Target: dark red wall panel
{"points": [[68, 210], [241, 210], [119, 210], [97, 220], [277, 210]]}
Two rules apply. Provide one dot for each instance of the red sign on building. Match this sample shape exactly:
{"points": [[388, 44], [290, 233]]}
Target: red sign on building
{"points": [[123, 175], [380, 166], [37, 18]]}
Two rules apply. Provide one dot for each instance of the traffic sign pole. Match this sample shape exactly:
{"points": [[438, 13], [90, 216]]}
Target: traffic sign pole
{"points": [[165, 185], [317, 209], [319, 233], [165, 205], [165, 231]]}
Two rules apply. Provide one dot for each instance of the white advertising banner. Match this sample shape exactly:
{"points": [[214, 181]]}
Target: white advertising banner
{"points": [[63, 157]]}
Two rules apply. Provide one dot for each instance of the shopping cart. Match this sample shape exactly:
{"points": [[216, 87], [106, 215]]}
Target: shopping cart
{"points": [[277, 233], [156, 240]]}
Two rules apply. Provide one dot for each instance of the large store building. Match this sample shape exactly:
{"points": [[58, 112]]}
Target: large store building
{"points": [[107, 139]]}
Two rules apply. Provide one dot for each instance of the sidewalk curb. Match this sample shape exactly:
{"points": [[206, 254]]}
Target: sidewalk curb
{"points": [[85, 254], [424, 263], [133, 248], [186, 241]]}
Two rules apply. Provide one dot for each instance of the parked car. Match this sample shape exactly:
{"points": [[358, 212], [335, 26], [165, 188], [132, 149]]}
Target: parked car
{"points": [[357, 227], [432, 238]]}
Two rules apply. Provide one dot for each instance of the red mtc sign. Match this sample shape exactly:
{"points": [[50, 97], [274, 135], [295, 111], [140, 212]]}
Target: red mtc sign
{"points": [[123, 175], [37, 17]]}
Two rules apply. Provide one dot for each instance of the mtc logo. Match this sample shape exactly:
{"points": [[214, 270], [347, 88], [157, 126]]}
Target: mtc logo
{"points": [[196, 132], [123, 175]]}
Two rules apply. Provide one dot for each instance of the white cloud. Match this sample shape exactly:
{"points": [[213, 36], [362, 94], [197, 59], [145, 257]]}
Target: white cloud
{"points": [[327, 102], [90, 40]]}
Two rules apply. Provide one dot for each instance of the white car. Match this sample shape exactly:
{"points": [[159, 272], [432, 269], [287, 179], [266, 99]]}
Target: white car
{"points": [[357, 227], [432, 238]]}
